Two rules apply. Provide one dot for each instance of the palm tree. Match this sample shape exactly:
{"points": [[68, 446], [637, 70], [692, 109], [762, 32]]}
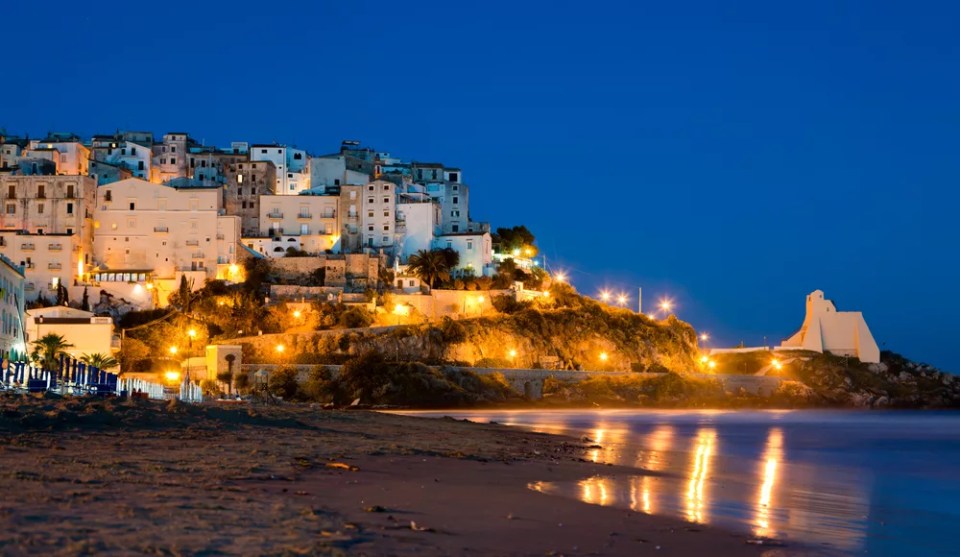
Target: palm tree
{"points": [[430, 266], [48, 349], [100, 360]]}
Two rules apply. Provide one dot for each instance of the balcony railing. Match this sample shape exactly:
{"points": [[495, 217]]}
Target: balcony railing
{"points": [[54, 266], [28, 247], [55, 247], [162, 229], [275, 215], [220, 236], [197, 255], [304, 216], [193, 242]]}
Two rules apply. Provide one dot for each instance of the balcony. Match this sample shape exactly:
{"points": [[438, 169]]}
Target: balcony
{"points": [[220, 236], [28, 247], [54, 266], [304, 216], [29, 287], [161, 229], [55, 247], [275, 215], [193, 243], [197, 255]]}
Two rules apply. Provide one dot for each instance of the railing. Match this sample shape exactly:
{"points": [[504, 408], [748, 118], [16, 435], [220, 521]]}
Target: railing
{"points": [[198, 255], [304, 216], [220, 236], [161, 229], [275, 215], [193, 242], [55, 247], [54, 266], [28, 247]]}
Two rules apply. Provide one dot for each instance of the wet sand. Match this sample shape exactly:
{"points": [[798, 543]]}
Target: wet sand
{"points": [[112, 477]]}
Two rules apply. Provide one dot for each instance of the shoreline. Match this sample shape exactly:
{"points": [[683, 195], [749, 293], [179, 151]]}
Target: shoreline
{"points": [[109, 477]]}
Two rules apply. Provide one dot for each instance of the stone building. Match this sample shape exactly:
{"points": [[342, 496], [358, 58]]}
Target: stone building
{"points": [[244, 183], [824, 329]]}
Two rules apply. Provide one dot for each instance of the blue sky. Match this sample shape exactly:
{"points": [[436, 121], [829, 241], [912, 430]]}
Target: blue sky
{"points": [[732, 155]]}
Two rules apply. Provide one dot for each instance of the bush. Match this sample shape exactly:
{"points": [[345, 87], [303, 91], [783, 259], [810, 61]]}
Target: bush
{"points": [[356, 317], [210, 388], [282, 383], [506, 303]]}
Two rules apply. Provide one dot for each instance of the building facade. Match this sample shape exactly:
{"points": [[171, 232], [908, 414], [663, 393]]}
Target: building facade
{"points": [[244, 183], [824, 329], [46, 226], [166, 231], [311, 218], [378, 216], [292, 167], [11, 308]]}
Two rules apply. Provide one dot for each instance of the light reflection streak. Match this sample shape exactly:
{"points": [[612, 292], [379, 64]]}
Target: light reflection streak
{"points": [[597, 490], [696, 496], [769, 468]]}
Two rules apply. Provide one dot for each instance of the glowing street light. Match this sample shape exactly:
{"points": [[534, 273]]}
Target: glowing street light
{"points": [[516, 251], [712, 365], [172, 376], [777, 364], [280, 348], [173, 350], [512, 353], [603, 356], [605, 295], [704, 360], [481, 299], [704, 337], [297, 313], [666, 305], [560, 276], [622, 300], [192, 333]]}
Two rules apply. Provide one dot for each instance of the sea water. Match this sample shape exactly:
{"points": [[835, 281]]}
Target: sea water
{"points": [[841, 482]]}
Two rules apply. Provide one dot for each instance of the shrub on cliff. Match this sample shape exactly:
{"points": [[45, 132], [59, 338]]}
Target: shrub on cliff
{"points": [[282, 383], [374, 380]]}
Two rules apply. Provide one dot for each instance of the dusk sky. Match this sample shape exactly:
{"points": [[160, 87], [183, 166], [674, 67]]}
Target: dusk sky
{"points": [[733, 156]]}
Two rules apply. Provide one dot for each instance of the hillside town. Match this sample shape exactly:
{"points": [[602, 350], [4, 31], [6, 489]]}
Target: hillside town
{"points": [[119, 222]]}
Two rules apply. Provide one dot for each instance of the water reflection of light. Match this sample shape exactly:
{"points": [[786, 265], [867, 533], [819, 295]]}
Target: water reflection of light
{"points": [[653, 457], [696, 498], [597, 491], [769, 464]]}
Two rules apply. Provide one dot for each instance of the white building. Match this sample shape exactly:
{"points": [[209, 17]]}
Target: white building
{"points": [[46, 226], [454, 202], [418, 225], [136, 157], [170, 157], [70, 156], [88, 334], [145, 227], [293, 167], [330, 171], [824, 329], [313, 219], [11, 308], [378, 217], [10, 154], [475, 249]]}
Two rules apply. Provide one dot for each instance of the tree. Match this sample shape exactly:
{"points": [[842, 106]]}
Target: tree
{"points": [[48, 349], [184, 297], [99, 360], [227, 376], [514, 238], [432, 266], [85, 301], [63, 297]]}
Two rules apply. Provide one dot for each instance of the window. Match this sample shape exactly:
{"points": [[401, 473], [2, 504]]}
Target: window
{"points": [[370, 228], [243, 204], [239, 178], [139, 165], [370, 201], [107, 196], [353, 195], [370, 214], [297, 156], [133, 206], [454, 177], [386, 239], [411, 282], [11, 209], [11, 192], [336, 182], [434, 174], [69, 208], [386, 200], [39, 208], [69, 231], [370, 188], [386, 228], [386, 213], [123, 151], [70, 190], [470, 245], [386, 188], [456, 228], [240, 191], [193, 162], [263, 151], [41, 191], [456, 200], [133, 150]]}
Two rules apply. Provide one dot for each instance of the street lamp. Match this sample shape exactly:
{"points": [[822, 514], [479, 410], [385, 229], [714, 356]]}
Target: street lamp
{"points": [[280, 348], [512, 354], [173, 350], [777, 364], [603, 356], [560, 277], [666, 305], [605, 295], [297, 313], [622, 300]]}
